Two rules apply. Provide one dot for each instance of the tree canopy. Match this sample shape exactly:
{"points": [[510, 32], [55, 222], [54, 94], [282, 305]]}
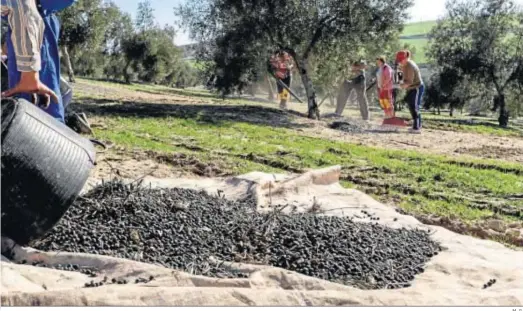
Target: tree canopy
{"points": [[99, 40], [241, 34], [481, 41]]}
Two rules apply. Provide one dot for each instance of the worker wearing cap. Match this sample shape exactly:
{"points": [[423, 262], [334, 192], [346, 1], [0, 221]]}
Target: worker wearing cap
{"points": [[356, 83], [32, 44], [413, 84], [385, 86]]}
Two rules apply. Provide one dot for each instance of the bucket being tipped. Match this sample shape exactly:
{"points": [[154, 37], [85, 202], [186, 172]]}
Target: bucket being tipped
{"points": [[44, 165]]}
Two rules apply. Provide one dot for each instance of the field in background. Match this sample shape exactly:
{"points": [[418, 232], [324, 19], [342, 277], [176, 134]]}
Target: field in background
{"points": [[419, 28], [194, 131], [416, 34]]}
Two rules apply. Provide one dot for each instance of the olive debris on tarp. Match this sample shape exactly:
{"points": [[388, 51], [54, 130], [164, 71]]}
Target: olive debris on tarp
{"points": [[337, 249]]}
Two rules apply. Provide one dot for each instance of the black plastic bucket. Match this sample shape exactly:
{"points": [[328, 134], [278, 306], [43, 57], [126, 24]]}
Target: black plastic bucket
{"points": [[45, 165]]}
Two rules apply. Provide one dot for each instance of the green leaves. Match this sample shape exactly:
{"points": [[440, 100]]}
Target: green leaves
{"points": [[482, 42], [105, 42], [240, 35], [145, 17]]}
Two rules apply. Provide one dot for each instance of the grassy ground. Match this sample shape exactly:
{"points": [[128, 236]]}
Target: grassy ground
{"points": [[469, 190], [461, 188], [443, 122], [463, 123], [419, 28]]}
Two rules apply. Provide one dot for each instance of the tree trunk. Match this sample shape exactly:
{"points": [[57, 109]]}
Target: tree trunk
{"points": [[439, 109], [126, 74], [313, 110], [271, 88], [451, 111], [68, 64], [252, 90], [499, 101]]}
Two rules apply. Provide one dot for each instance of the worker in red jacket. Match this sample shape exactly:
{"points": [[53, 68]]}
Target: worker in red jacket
{"points": [[385, 84]]}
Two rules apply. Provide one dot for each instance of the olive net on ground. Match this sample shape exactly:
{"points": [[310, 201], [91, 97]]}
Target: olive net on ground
{"points": [[184, 228], [326, 232]]}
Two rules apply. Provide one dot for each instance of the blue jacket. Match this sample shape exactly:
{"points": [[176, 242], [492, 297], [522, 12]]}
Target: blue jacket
{"points": [[49, 52]]}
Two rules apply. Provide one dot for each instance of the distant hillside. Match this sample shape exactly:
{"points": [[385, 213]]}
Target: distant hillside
{"points": [[420, 28], [416, 34]]}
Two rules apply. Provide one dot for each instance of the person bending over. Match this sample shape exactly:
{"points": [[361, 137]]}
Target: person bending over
{"points": [[356, 83]]}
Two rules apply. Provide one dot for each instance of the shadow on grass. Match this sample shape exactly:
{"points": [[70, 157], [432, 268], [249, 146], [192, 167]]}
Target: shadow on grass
{"points": [[217, 115], [183, 92], [106, 80], [214, 97]]}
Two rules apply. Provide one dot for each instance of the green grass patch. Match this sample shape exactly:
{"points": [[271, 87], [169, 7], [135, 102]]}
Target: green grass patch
{"points": [[467, 189], [154, 89], [416, 35], [481, 127], [486, 126], [467, 124]]}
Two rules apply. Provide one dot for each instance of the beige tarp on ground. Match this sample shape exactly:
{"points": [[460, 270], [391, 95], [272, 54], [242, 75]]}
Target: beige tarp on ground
{"points": [[454, 277]]}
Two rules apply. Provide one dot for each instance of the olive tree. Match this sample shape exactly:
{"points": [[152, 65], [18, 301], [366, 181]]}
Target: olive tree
{"points": [[482, 41], [246, 31]]}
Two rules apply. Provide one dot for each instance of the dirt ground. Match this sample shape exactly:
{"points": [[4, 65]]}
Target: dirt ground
{"points": [[436, 141], [431, 141], [134, 165]]}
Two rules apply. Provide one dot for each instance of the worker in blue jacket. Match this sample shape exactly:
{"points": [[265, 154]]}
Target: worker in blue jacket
{"points": [[32, 40]]}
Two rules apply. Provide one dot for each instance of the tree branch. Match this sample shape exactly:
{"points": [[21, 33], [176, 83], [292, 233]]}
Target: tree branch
{"points": [[495, 81], [318, 33], [513, 76], [518, 68]]}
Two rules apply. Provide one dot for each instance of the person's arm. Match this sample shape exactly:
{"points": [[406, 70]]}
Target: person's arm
{"points": [[27, 31]]}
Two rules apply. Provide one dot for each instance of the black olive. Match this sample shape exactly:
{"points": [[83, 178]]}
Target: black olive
{"points": [[124, 221]]}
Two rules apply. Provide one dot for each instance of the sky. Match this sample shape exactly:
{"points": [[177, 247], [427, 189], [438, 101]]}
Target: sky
{"points": [[423, 10]]}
